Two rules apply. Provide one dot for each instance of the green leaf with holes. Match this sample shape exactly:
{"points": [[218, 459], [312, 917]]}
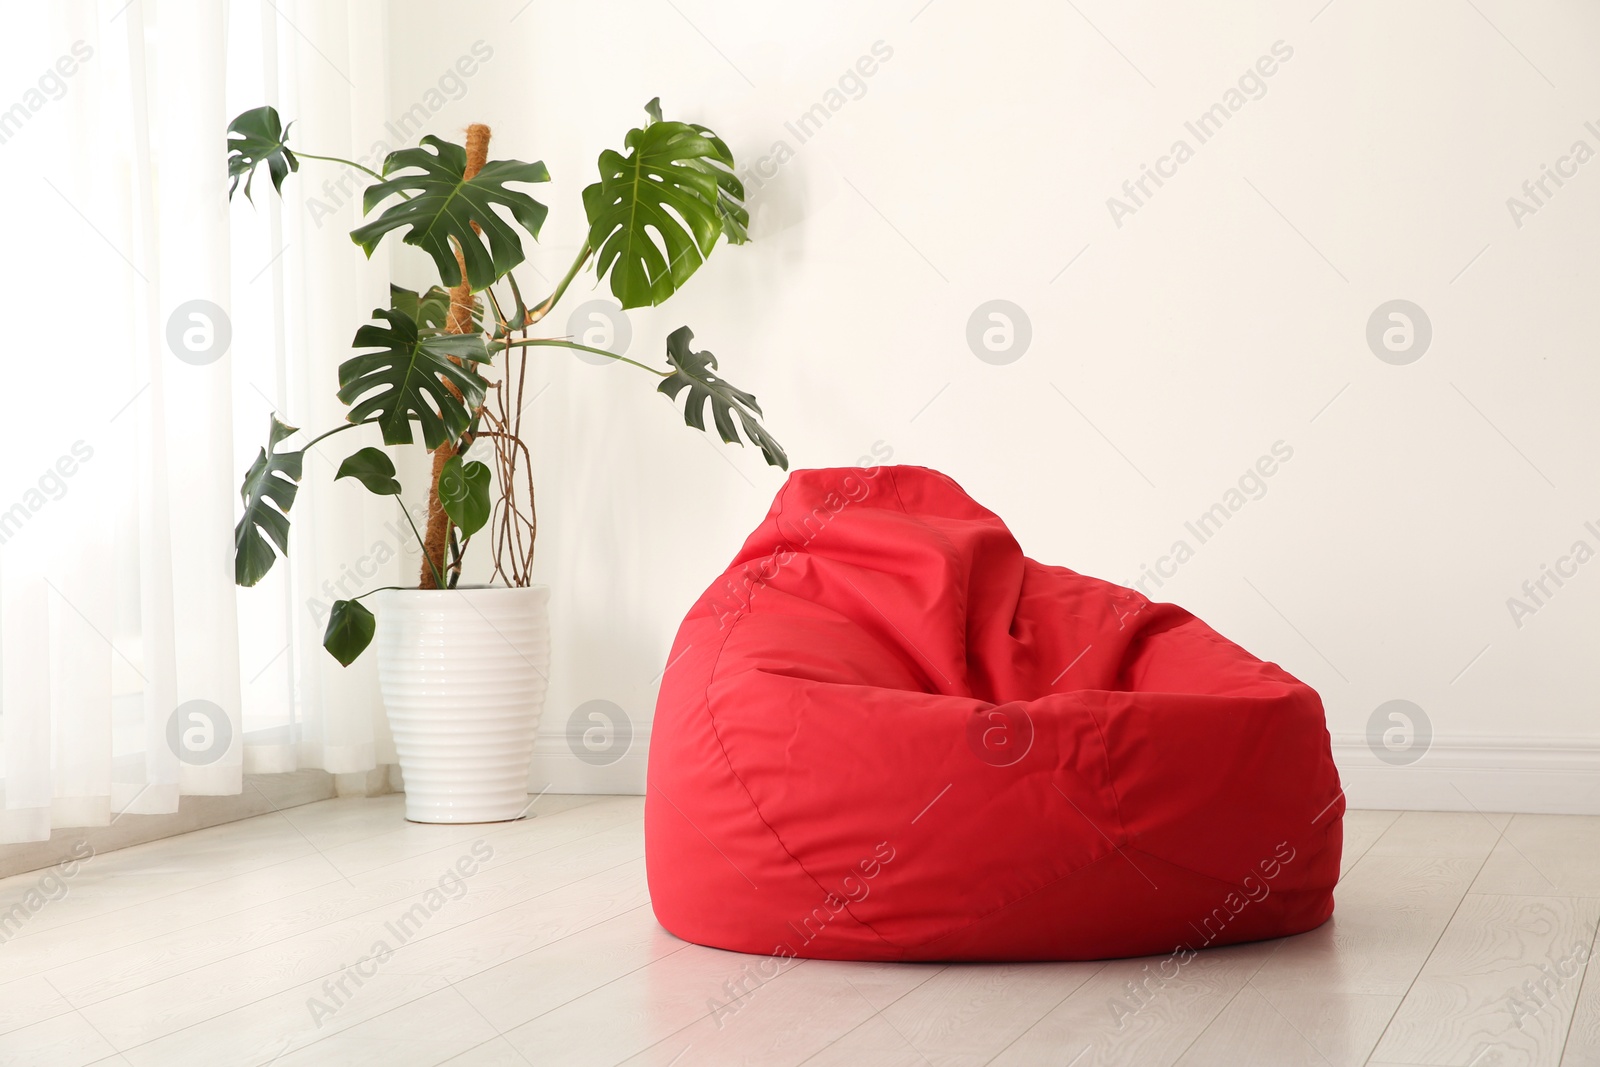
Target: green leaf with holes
{"points": [[695, 372], [660, 206], [268, 492], [254, 138], [444, 204], [730, 190], [430, 310], [402, 380]]}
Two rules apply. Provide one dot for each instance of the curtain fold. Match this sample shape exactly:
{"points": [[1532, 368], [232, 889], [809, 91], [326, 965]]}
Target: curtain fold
{"points": [[132, 670]]}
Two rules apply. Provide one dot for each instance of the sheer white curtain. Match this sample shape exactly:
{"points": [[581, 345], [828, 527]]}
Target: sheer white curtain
{"points": [[155, 326]]}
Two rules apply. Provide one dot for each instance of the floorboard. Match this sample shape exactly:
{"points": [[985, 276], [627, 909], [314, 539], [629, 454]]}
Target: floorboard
{"points": [[338, 933]]}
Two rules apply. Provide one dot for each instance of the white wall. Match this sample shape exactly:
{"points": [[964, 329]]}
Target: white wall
{"points": [[1227, 313]]}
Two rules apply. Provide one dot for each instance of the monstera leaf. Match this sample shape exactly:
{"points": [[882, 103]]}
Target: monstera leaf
{"points": [[444, 203], [257, 137], [730, 190], [373, 468], [349, 632], [695, 371], [464, 492], [429, 310], [401, 380], [656, 212], [268, 492]]}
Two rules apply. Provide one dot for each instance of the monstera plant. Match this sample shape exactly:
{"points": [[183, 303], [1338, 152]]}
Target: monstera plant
{"points": [[450, 362]]}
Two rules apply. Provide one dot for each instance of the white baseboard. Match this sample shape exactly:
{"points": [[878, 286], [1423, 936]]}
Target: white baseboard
{"points": [[1551, 775], [557, 770], [263, 794]]}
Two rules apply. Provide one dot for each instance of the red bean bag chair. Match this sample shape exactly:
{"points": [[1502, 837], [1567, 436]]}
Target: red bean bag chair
{"points": [[885, 734]]}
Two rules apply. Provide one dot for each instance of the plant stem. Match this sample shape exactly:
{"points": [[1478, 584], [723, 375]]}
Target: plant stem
{"points": [[563, 343], [437, 577], [380, 589], [494, 303], [499, 313], [460, 551], [516, 293], [346, 162], [544, 307], [337, 429], [350, 426]]}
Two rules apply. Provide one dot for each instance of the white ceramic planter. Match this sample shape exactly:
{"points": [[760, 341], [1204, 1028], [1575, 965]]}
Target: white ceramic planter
{"points": [[463, 675]]}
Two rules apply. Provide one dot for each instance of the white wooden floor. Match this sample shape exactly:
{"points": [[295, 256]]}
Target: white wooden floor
{"points": [[253, 944]]}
